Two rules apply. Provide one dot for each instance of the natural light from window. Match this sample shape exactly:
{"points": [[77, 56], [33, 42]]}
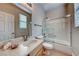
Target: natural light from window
{"points": [[22, 21]]}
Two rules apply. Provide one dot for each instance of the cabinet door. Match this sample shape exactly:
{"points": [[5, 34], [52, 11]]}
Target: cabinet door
{"points": [[36, 50], [40, 53]]}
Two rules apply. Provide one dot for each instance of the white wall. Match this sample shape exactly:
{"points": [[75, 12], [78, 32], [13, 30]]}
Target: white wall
{"points": [[75, 41], [75, 32], [55, 13], [37, 17]]}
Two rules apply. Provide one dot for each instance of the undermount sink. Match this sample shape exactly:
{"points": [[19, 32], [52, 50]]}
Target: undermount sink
{"points": [[29, 43]]}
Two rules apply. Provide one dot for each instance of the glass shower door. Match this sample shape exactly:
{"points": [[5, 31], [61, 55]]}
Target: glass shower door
{"points": [[57, 31], [49, 31]]}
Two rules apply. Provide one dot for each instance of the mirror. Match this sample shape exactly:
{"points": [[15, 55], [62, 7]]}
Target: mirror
{"points": [[14, 22]]}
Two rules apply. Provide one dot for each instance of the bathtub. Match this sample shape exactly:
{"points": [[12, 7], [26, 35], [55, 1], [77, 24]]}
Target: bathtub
{"points": [[60, 45]]}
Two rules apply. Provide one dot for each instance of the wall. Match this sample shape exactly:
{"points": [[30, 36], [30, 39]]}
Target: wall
{"points": [[37, 18], [12, 9], [75, 33], [55, 13]]}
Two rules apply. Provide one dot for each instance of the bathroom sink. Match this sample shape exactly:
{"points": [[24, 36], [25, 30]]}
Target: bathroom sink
{"points": [[29, 43], [32, 44]]}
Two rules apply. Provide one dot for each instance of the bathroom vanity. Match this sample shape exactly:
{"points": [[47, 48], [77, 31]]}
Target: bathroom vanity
{"points": [[35, 47], [31, 47], [38, 51]]}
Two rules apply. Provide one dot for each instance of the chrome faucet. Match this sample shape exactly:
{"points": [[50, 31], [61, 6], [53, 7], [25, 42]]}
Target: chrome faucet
{"points": [[25, 37]]}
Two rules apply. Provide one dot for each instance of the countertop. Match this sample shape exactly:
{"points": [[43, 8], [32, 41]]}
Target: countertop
{"points": [[32, 47], [17, 52]]}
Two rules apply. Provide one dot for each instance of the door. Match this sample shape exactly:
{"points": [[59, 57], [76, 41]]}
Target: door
{"points": [[6, 26]]}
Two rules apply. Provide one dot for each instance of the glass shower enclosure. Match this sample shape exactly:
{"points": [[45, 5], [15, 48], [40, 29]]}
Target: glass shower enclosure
{"points": [[57, 30]]}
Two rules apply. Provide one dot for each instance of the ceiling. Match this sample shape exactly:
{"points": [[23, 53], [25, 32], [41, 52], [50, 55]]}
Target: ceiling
{"points": [[49, 6], [45, 6]]}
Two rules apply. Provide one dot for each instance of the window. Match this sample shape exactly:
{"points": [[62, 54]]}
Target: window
{"points": [[22, 21], [76, 10]]}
